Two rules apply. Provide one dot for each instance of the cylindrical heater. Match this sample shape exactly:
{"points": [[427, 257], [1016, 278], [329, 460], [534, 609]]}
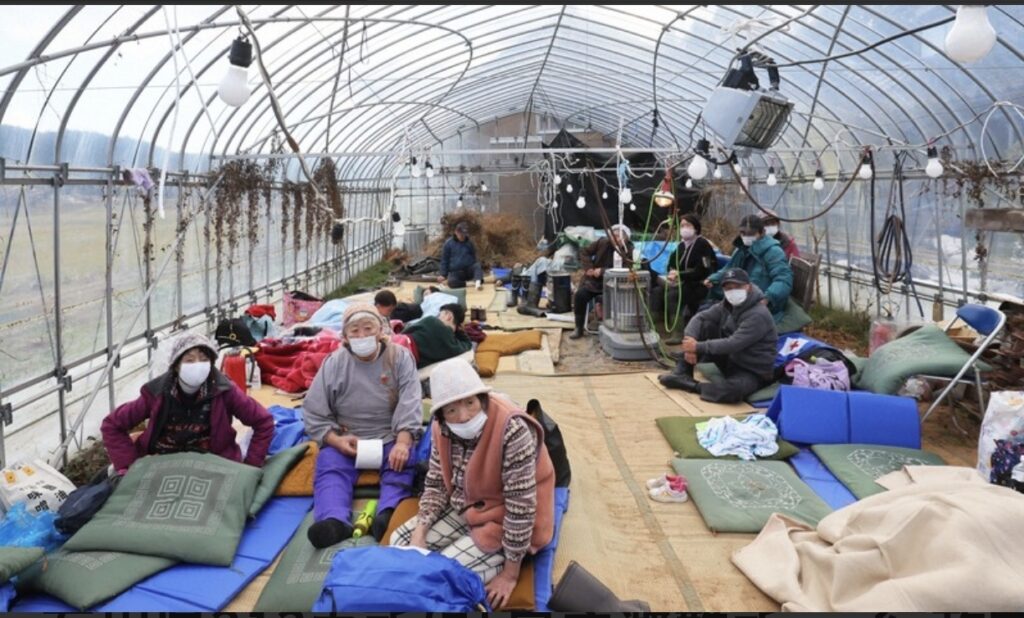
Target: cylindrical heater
{"points": [[562, 297], [624, 332]]}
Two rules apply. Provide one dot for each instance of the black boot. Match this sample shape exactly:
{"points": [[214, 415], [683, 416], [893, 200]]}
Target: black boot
{"points": [[532, 302], [380, 523], [514, 290], [681, 377], [328, 532], [576, 334]]}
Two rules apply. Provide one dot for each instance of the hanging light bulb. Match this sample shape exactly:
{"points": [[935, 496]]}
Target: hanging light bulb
{"points": [[581, 202], [483, 187], [718, 173], [625, 195], [604, 195], [415, 168], [458, 202], [234, 87], [558, 179], [934, 167], [632, 207], [664, 197], [772, 180], [865, 169], [698, 168], [429, 169], [568, 187], [689, 183], [971, 38], [819, 181], [397, 226]]}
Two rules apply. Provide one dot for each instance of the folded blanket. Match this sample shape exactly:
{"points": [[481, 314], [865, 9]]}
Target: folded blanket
{"points": [[504, 344], [292, 367]]}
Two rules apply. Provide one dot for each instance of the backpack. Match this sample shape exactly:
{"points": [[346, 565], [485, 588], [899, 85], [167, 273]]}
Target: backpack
{"points": [[84, 502], [234, 332], [399, 579]]}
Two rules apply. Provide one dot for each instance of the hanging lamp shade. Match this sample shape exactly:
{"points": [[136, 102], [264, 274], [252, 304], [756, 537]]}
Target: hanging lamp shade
{"points": [[664, 197]]}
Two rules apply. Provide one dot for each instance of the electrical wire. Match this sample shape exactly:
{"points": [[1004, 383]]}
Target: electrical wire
{"points": [[892, 257]]}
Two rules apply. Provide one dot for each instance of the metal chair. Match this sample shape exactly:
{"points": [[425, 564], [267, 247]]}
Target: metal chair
{"points": [[988, 322]]}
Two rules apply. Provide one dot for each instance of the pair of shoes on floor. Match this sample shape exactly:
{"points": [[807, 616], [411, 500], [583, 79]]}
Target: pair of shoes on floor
{"points": [[668, 488]]}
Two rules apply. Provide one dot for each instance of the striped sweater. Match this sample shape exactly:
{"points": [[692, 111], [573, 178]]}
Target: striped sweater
{"points": [[519, 482]]}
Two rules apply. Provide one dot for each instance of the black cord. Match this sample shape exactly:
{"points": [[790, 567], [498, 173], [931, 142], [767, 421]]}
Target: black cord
{"points": [[892, 256]]}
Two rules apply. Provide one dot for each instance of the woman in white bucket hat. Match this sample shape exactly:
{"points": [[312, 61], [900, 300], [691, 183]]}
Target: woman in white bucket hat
{"points": [[488, 498]]}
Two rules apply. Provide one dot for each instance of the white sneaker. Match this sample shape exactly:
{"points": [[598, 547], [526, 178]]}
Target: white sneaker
{"points": [[479, 284], [665, 493], [660, 481]]}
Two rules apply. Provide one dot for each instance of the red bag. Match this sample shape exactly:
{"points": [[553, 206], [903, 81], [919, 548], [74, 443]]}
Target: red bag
{"points": [[258, 311], [234, 368], [299, 307]]}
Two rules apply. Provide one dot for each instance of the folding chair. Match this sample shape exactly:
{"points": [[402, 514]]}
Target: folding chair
{"points": [[988, 322], [805, 277]]}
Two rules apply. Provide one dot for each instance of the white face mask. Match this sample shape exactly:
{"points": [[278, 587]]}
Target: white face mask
{"points": [[735, 297], [192, 375], [471, 428], [363, 346], [748, 240], [687, 233], [771, 230]]}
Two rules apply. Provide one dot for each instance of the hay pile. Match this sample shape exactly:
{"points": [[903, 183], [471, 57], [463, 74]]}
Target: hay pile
{"points": [[500, 239]]}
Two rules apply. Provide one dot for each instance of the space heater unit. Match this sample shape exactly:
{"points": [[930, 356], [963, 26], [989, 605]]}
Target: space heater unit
{"points": [[624, 319]]}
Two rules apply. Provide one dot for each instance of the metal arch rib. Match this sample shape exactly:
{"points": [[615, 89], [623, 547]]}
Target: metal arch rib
{"points": [[527, 114]]}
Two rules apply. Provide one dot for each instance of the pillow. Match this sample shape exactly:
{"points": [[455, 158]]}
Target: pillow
{"points": [[299, 480], [858, 465], [184, 506], [458, 293], [85, 579], [927, 350], [274, 470], [14, 560], [681, 433], [794, 318]]}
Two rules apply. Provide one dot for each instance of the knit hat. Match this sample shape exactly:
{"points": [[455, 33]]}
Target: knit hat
{"points": [[188, 340], [693, 220], [735, 275], [769, 215], [452, 380], [625, 230], [462, 226], [356, 311], [751, 223]]}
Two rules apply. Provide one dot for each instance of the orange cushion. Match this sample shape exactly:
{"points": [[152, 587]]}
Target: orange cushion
{"points": [[523, 596], [299, 480], [497, 345]]}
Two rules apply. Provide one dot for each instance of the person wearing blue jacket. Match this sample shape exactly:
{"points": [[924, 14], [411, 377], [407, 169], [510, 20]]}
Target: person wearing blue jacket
{"points": [[459, 263], [764, 260]]}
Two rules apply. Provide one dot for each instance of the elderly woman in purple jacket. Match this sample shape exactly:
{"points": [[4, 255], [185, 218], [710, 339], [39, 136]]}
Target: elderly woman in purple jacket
{"points": [[189, 408]]}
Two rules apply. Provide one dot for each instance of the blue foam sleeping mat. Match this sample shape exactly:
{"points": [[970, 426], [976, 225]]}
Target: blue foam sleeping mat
{"points": [[813, 472], [544, 561], [811, 416], [201, 588]]}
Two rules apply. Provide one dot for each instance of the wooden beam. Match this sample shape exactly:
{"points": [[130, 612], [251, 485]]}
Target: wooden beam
{"points": [[996, 219]]}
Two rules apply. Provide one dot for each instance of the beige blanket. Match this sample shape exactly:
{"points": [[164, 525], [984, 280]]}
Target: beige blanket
{"points": [[932, 547]]}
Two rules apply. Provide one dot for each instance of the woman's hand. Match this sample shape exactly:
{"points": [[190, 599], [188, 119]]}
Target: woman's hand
{"points": [[500, 588], [673, 276], [398, 456], [419, 537]]}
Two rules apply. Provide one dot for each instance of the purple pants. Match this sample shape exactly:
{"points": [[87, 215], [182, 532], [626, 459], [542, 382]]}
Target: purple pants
{"points": [[335, 481]]}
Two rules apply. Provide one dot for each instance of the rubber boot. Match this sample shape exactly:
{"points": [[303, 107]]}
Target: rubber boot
{"points": [[580, 591], [576, 334], [532, 302], [513, 292], [681, 377], [675, 336]]}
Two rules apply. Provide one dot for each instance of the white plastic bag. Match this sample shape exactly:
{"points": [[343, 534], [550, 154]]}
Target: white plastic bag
{"points": [[37, 484], [1002, 436]]}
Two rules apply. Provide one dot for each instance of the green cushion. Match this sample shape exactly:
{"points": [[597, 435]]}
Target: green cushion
{"points": [[927, 350], [681, 433], [858, 465], [14, 560], [275, 469], [459, 293], [299, 576], [740, 496], [794, 318], [184, 506], [85, 579], [767, 393]]}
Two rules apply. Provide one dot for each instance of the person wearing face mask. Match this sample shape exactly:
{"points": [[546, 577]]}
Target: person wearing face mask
{"points": [[366, 390], [681, 291], [596, 258], [488, 498], [738, 335], [771, 229], [440, 338], [764, 261], [189, 408]]}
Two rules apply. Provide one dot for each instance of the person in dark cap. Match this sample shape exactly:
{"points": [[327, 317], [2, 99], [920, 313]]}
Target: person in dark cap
{"points": [[738, 335], [679, 294], [763, 259], [770, 218], [459, 262]]}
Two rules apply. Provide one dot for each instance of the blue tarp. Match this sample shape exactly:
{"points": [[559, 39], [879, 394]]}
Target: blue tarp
{"points": [[289, 429]]}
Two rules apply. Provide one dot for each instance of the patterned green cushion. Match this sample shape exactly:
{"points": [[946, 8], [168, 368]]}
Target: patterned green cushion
{"points": [[740, 496], [927, 350], [14, 560], [85, 579], [184, 506], [858, 465], [681, 433], [275, 469], [299, 576]]}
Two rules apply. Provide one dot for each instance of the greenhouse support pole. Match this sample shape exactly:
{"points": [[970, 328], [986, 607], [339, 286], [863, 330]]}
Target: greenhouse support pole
{"points": [[938, 243], [147, 253], [269, 289], [179, 254], [849, 261], [963, 246], [108, 292], [63, 380]]}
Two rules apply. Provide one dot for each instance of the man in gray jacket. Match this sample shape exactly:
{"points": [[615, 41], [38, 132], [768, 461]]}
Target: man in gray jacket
{"points": [[738, 335]]}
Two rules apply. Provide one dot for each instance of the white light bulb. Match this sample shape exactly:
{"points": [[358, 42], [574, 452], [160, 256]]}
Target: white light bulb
{"points": [[234, 87], [632, 207], [458, 203], [698, 168], [430, 172], [581, 202], [604, 195], [399, 229], [558, 179], [934, 168], [718, 173], [568, 188], [772, 180], [971, 38], [417, 171], [625, 196], [483, 187], [689, 183], [819, 183], [865, 172]]}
